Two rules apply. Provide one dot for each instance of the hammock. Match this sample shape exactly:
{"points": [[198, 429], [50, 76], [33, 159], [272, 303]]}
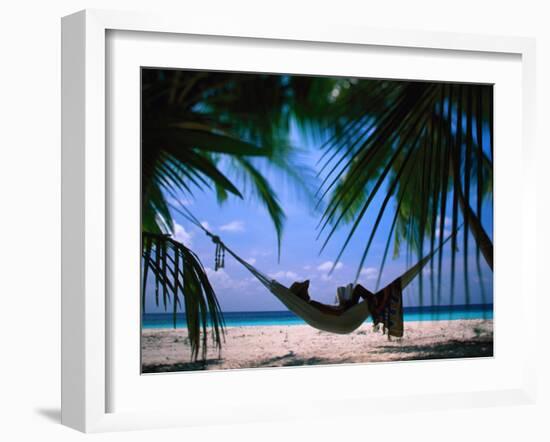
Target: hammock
{"points": [[342, 323]]}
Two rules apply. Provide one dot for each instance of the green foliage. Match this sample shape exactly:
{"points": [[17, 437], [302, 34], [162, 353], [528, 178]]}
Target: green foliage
{"points": [[424, 142], [180, 277], [193, 123]]}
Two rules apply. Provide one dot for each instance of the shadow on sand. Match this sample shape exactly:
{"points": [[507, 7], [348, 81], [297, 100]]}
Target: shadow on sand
{"points": [[450, 349], [291, 360], [396, 352], [181, 366]]}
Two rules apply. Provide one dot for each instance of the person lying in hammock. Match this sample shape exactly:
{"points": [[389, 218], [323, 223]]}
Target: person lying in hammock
{"points": [[385, 307], [346, 296]]}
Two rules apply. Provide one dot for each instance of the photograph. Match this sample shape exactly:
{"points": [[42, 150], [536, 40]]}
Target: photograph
{"points": [[303, 220]]}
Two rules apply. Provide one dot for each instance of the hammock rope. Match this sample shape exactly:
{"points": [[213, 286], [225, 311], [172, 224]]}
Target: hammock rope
{"points": [[342, 323], [221, 248]]}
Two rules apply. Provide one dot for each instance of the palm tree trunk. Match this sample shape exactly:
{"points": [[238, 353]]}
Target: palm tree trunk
{"points": [[474, 224]]}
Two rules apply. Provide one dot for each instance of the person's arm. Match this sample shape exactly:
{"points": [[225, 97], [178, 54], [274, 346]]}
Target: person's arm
{"points": [[361, 292]]}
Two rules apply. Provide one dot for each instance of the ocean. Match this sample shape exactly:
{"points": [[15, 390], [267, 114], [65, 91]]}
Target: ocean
{"points": [[237, 319]]}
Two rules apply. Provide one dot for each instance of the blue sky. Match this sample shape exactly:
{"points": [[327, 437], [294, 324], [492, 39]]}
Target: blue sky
{"points": [[246, 227]]}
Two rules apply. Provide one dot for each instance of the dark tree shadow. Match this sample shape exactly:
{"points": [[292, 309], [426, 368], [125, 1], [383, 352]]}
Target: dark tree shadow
{"points": [[450, 349], [290, 360], [180, 366], [399, 351]]}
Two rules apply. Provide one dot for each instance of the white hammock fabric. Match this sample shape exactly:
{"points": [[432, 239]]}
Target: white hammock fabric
{"points": [[343, 323]]}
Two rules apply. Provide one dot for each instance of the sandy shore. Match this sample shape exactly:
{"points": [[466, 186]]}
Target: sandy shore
{"points": [[275, 346]]}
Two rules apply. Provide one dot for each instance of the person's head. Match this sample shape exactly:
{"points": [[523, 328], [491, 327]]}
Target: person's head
{"points": [[300, 289]]}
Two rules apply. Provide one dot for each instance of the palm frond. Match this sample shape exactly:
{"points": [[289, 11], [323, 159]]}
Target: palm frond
{"points": [[441, 126], [266, 195], [179, 276]]}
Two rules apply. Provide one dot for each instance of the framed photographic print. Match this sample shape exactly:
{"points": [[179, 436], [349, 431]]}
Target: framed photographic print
{"points": [[233, 147], [252, 215]]}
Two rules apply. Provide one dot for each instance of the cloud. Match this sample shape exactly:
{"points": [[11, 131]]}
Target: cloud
{"points": [[233, 226], [221, 280], [447, 222], [369, 272], [218, 277], [327, 266], [446, 233], [251, 261], [308, 267], [256, 252], [206, 225], [447, 227], [182, 235], [290, 275]]}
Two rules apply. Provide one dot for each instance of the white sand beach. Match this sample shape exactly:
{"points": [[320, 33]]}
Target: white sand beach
{"points": [[276, 346]]}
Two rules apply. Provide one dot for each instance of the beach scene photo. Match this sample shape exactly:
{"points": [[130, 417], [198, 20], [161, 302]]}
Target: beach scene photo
{"points": [[300, 220]]}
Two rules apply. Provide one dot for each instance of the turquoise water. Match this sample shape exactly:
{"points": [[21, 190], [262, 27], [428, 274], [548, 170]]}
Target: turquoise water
{"points": [[236, 319]]}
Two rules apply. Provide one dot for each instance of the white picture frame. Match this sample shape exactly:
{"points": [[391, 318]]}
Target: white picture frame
{"points": [[86, 357]]}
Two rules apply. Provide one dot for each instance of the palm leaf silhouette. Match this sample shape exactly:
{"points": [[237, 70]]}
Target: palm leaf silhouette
{"points": [[206, 131], [425, 143]]}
